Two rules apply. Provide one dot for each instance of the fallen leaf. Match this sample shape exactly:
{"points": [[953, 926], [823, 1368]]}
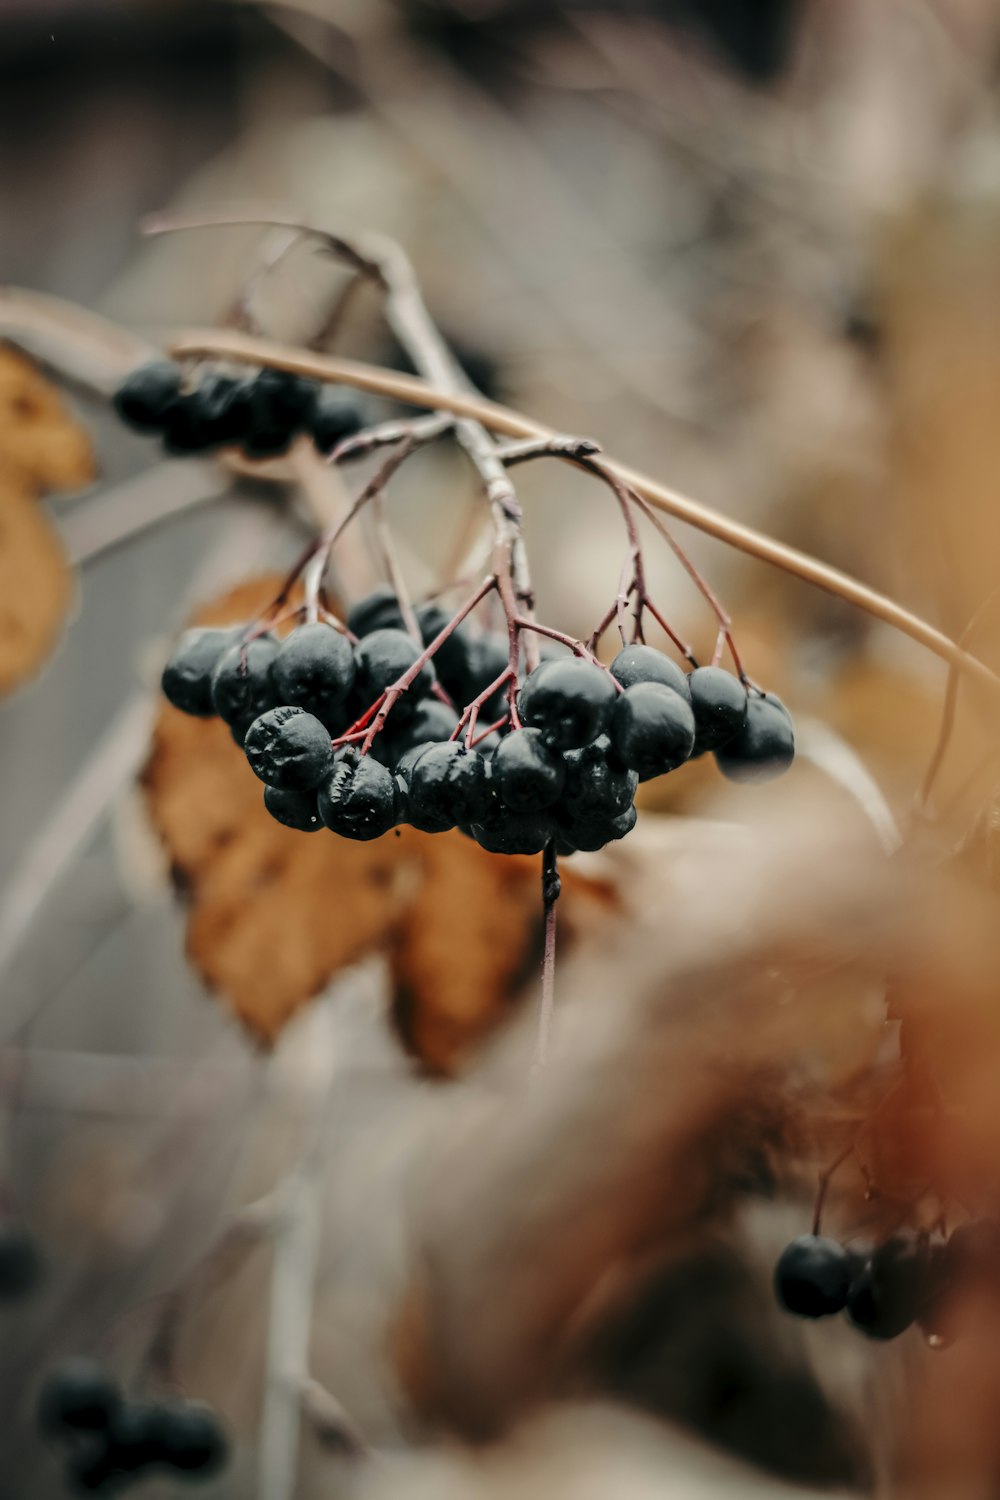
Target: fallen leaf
{"points": [[273, 914], [41, 443]]}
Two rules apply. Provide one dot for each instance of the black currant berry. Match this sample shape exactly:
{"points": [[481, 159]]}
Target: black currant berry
{"points": [[719, 701], [451, 659], [358, 798], [289, 749], [875, 1309], [590, 834], [569, 700], [450, 783], [764, 747], [145, 397], [528, 775], [21, 1263], [382, 657], [335, 416], [597, 786], [514, 833], [378, 610], [297, 810], [314, 668], [187, 676], [134, 1440], [241, 682], [78, 1395], [280, 406], [429, 721], [652, 729], [813, 1276], [645, 664], [212, 415], [191, 1438]]}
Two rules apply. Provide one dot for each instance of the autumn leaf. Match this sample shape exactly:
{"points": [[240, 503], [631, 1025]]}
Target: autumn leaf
{"points": [[273, 913], [41, 448]]}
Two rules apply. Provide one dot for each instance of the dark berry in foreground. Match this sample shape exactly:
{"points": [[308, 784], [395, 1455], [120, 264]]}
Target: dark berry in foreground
{"points": [[78, 1395], [569, 700], [645, 664], [297, 810], [450, 783], [187, 676], [764, 747], [451, 659], [874, 1309], [383, 657], [241, 682], [428, 721], [21, 1264], [813, 1276], [378, 610], [280, 406], [597, 785], [528, 775], [514, 832], [191, 1438], [212, 415], [334, 416], [652, 729], [586, 835], [719, 701], [289, 749], [358, 798], [146, 396], [314, 668], [134, 1436]]}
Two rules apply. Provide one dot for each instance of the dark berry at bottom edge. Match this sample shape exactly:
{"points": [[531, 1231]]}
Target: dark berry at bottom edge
{"points": [[187, 676], [297, 810], [358, 798], [288, 748], [514, 833], [764, 747], [78, 1394], [813, 1276]]}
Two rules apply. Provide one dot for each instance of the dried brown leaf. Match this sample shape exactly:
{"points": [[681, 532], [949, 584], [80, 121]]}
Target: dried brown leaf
{"points": [[41, 444]]}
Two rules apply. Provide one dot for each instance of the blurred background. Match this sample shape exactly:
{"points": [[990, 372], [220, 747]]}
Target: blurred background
{"points": [[753, 248]]}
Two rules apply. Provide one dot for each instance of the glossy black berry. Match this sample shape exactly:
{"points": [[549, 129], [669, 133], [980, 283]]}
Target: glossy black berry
{"points": [[21, 1264], [191, 1438], [358, 798], [79, 1395], [764, 747], [569, 700], [280, 406], [382, 657], [597, 785], [335, 415], [241, 682], [587, 835], [297, 810], [812, 1277], [652, 729], [289, 749], [187, 676], [450, 783], [527, 774], [719, 701], [314, 668], [378, 610], [514, 833], [874, 1309], [211, 415], [645, 664], [428, 721], [487, 655], [145, 397], [134, 1437]]}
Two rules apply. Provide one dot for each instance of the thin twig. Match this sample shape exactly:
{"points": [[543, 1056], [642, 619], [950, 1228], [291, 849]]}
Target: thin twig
{"points": [[501, 419], [950, 703], [551, 889]]}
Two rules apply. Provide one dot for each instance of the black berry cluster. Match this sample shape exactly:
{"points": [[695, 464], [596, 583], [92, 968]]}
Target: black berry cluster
{"points": [[261, 414], [912, 1277], [585, 735], [113, 1442]]}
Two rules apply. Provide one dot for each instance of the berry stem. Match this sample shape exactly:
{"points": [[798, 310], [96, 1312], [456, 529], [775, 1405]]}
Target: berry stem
{"points": [[421, 429], [824, 1185], [551, 888], [470, 714]]}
